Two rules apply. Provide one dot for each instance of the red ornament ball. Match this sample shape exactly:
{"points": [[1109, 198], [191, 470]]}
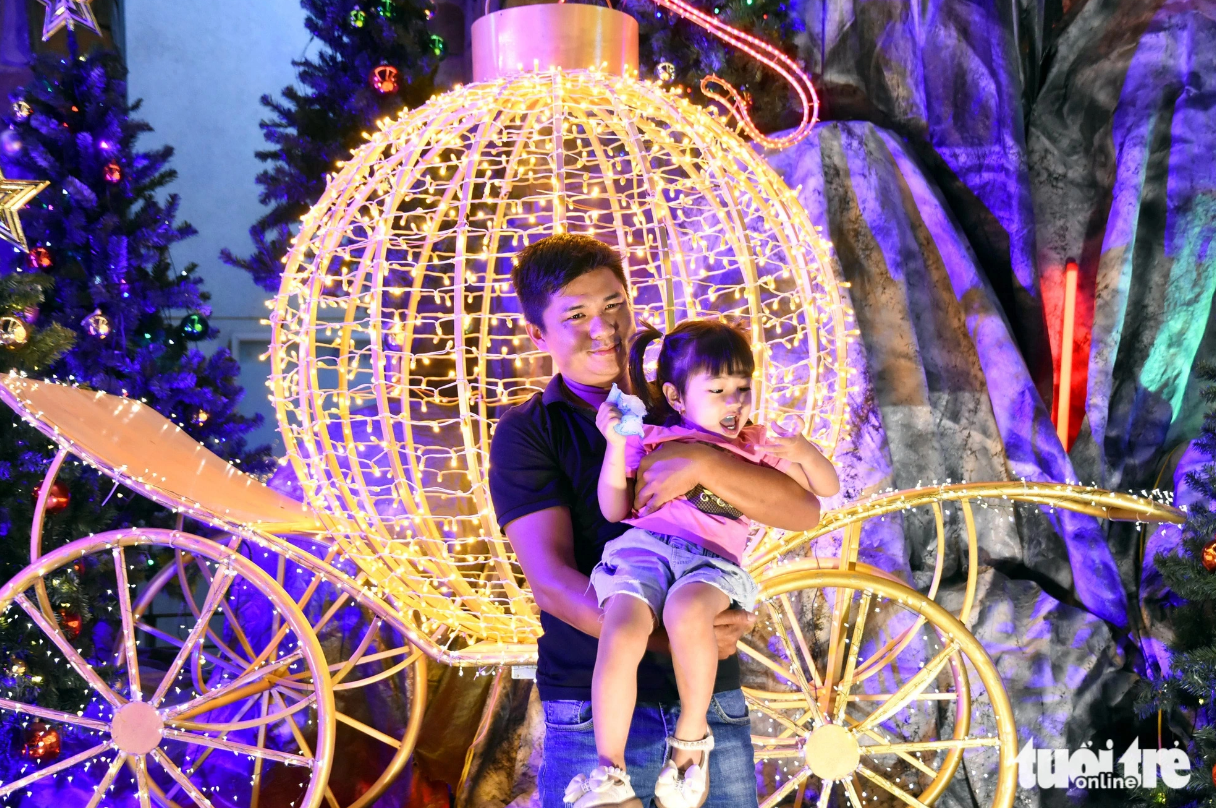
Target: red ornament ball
{"points": [[71, 623], [40, 258], [1209, 556], [384, 79], [112, 173], [56, 499], [41, 742]]}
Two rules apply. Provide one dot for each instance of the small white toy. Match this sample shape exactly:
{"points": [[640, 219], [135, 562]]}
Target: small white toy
{"points": [[632, 411]]}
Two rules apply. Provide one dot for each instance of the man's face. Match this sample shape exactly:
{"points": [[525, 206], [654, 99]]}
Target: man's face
{"points": [[587, 327]]}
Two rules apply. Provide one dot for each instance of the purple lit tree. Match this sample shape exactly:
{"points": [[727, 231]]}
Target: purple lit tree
{"points": [[377, 57], [101, 304]]}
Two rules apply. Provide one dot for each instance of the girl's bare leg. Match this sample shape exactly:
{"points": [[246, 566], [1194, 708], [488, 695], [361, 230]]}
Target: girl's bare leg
{"points": [[688, 616], [628, 624]]}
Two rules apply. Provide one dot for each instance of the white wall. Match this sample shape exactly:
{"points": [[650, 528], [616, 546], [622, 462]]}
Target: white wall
{"points": [[200, 68]]}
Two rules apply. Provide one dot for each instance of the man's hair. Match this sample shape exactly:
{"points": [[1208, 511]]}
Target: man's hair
{"points": [[544, 267]]}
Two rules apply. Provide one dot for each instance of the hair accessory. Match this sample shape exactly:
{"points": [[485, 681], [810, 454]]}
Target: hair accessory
{"points": [[632, 411], [650, 359]]}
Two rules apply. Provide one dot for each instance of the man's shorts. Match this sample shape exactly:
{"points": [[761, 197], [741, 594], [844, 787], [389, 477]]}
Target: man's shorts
{"points": [[649, 567]]}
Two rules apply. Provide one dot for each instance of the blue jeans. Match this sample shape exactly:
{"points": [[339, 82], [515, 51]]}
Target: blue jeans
{"points": [[570, 749]]}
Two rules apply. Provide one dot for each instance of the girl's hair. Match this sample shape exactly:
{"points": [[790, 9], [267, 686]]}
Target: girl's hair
{"points": [[706, 346]]}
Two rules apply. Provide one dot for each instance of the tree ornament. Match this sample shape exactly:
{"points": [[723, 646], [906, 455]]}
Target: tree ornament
{"points": [[1209, 556], [39, 258], [666, 72], [201, 417], [112, 173], [71, 623], [384, 79], [438, 46], [56, 499], [15, 195], [18, 667], [97, 324], [194, 327], [29, 314], [69, 13], [10, 142], [385, 7], [357, 17], [22, 110], [41, 742], [12, 332]]}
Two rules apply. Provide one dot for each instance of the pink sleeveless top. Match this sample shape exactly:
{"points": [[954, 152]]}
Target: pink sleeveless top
{"points": [[723, 535]]}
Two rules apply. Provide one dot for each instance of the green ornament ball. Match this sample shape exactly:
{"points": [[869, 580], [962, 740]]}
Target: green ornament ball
{"points": [[195, 327]]}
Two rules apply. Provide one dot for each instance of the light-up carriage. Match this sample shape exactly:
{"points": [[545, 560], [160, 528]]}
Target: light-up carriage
{"points": [[231, 663]]}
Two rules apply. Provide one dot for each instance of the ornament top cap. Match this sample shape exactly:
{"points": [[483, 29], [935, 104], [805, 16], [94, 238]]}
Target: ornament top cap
{"points": [[543, 36]]}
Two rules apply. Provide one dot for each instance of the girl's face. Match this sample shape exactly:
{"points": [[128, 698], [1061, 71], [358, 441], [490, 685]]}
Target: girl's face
{"points": [[719, 404]]}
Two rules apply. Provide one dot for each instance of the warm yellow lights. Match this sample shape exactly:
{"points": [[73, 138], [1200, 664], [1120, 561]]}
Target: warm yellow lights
{"points": [[397, 340]]}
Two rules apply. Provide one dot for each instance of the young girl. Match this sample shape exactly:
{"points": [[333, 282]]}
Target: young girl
{"points": [[680, 563]]}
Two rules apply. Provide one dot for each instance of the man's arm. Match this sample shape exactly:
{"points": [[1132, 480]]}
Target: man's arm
{"points": [[763, 494], [544, 543]]}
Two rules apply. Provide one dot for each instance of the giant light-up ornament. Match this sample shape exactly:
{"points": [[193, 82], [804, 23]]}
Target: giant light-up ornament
{"points": [[398, 341]]}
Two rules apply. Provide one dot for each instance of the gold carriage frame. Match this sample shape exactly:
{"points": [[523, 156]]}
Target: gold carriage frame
{"points": [[142, 450]]}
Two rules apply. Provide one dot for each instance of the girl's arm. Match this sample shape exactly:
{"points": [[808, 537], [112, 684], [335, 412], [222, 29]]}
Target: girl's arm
{"points": [[810, 468], [615, 488]]}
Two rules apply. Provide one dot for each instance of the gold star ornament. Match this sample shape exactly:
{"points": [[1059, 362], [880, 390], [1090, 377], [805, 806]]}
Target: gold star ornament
{"points": [[15, 195], [69, 13]]}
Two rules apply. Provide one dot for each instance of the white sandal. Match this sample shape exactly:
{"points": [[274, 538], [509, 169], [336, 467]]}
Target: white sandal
{"points": [[690, 789], [606, 786]]}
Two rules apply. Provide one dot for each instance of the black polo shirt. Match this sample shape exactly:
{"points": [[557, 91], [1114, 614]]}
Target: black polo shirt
{"points": [[547, 452]]}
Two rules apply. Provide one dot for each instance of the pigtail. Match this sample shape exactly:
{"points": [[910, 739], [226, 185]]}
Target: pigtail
{"points": [[651, 393]]}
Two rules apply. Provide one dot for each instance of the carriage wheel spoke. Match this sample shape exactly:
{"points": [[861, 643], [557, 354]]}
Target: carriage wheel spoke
{"points": [[929, 746], [887, 785], [107, 780], [796, 630], [910, 688], [851, 791], [68, 763], [250, 677], [846, 682], [128, 626], [219, 587], [776, 716], [825, 793], [194, 767], [140, 764], [54, 715], [792, 653], [73, 656], [183, 781], [304, 747], [235, 747], [840, 613], [789, 785], [256, 780]]}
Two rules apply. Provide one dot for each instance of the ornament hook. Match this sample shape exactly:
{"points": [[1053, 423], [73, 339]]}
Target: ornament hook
{"points": [[721, 91]]}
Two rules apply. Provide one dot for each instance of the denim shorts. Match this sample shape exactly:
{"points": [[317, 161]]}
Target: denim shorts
{"points": [[647, 566]]}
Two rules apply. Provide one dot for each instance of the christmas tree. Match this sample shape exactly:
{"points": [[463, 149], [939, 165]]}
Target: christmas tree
{"points": [[680, 53], [377, 57], [1184, 696], [96, 301]]}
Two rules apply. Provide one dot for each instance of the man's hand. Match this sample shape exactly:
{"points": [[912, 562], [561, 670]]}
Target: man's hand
{"points": [[668, 472], [729, 626]]}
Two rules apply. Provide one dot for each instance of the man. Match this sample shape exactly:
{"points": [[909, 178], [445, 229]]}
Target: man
{"points": [[545, 461]]}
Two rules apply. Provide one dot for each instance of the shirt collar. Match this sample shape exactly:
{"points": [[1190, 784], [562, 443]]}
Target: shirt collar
{"points": [[556, 392]]}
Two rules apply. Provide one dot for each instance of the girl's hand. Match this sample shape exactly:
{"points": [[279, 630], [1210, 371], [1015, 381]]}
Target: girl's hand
{"points": [[606, 420], [794, 448]]}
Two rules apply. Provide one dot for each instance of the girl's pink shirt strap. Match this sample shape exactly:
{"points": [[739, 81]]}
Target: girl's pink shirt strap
{"points": [[725, 536]]}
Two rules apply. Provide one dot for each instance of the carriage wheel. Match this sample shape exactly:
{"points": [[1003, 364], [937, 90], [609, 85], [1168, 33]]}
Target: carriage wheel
{"points": [[169, 714], [860, 694], [371, 655]]}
